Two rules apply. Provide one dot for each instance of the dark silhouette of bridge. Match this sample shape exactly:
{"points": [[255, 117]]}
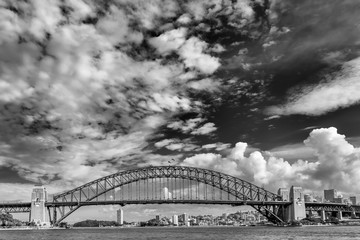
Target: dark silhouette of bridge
{"points": [[174, 185]]}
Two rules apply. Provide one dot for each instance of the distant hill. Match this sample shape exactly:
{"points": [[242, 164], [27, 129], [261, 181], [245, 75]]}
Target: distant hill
{"points": [[95, 223], [7, 220]]}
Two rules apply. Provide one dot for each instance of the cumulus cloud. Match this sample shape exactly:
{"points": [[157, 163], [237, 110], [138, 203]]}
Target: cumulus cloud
{"points": [[293, 151], [218, 48], [207, 84], [204, 129], [169, 41], [149, 14], [190, 50], [186, 126], [194, 57], [184, 19], [177, 145], [163, 143], [335, 165], [213, 161], [339, 91], [192, 126], [115, 27], [338, 160]]}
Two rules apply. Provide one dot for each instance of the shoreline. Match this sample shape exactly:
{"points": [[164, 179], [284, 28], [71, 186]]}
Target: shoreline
{"points": [[180, 227]]}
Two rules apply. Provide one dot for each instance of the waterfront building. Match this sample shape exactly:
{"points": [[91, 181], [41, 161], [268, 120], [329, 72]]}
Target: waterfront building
{"points": [[353, 200], [185, 219], [175, 220], [330, 194], [120, 216], [284, 193]]}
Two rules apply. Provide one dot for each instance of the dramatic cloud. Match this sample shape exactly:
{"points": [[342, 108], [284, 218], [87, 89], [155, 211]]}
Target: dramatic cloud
{"points": [[336, 165], [78, 89], [339, 161], [88, 88]]}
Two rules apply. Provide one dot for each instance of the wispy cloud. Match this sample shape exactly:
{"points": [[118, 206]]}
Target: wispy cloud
{"points": [[193, 126], [339, 91]]}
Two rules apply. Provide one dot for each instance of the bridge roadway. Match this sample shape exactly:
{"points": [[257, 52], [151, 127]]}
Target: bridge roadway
{"points": [[17, 207], [313, 206]]}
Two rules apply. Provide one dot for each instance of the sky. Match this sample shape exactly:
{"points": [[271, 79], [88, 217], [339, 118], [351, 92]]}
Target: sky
{"points": [[267, 91]]}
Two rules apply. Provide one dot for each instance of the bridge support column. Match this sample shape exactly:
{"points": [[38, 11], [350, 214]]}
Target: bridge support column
{"points": [[38, 209], [310, 214], [297, 208], [353, 214], [323, 215], [54, 216], [284, 212], [339, 215]]}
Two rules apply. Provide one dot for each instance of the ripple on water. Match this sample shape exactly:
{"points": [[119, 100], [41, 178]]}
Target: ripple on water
{"points": [[194, 233]]}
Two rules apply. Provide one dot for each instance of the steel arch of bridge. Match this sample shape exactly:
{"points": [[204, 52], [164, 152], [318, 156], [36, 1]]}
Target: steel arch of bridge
{"points": [[243, 191]]}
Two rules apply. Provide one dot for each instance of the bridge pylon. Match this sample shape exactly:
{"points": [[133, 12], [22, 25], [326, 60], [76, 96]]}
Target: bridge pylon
{"points": [[38, 209], [296, 210]]}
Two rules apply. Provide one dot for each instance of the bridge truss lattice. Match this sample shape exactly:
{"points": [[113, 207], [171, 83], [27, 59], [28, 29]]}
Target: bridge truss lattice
{"points": [[168, 184]]}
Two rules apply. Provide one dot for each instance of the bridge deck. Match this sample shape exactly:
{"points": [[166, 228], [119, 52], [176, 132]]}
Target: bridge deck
{"points": [[4, 205], [15, 207], [170, 201]]}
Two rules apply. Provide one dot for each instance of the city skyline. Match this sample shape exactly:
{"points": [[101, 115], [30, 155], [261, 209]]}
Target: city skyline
{"points": [[263, 90]]}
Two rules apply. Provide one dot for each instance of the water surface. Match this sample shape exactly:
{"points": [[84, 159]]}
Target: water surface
{"points": [[183, 233]]}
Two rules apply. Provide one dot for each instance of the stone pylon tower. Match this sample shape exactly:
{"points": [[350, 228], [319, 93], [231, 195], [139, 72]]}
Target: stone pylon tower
{"points": [[38, 209], [297, 208]]}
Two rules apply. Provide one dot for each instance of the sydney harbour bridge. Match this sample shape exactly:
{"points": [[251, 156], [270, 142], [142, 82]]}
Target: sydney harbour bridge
{"points": [[175, 185]]}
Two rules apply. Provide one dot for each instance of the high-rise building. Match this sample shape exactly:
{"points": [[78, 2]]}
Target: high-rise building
{"points": [[186, 219], [120, 216], [175, 220], [308, 198], [353, 200], [157, 218], [224, 215], [330, 195], [319, 199], [284, 193], [38, 209]]}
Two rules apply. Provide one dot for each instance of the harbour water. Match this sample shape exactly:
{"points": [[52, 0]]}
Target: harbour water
{"points": [[192, 233]]}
